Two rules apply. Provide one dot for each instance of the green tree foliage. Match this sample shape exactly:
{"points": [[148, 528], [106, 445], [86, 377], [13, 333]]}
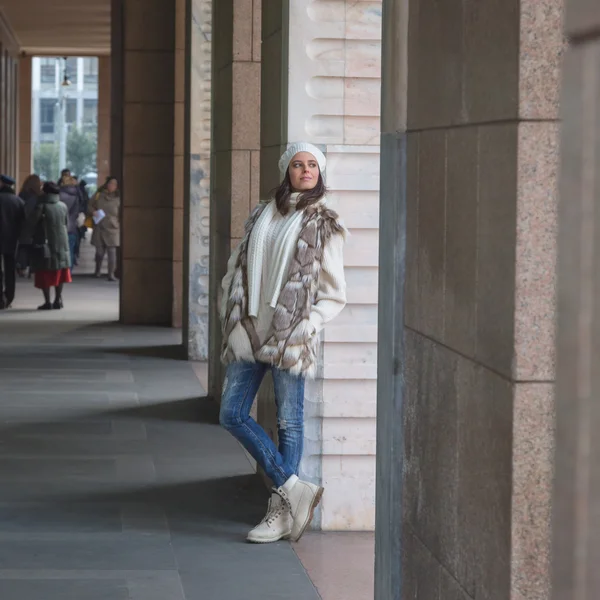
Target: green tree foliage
{"points": [[45, 161], [81, 151]]}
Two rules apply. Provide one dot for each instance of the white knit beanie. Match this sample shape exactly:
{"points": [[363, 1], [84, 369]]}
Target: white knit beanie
{"points": [[293, 149]]}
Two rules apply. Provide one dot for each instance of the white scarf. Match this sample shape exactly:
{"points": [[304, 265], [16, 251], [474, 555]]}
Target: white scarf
{"points": [[283, 250]]}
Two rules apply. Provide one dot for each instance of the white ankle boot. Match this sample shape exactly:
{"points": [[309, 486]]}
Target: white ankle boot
{"points": [[303, 497], [277, 523]]}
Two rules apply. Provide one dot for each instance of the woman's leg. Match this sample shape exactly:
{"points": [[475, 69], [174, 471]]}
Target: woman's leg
{"points": [[241, 385], [100, 250], [47, 304], [72, 243], [289, 396], [58, 303], [112, 262]]}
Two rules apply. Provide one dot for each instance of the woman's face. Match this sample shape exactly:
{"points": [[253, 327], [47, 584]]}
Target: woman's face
{"points": [[111, 186], [304, 172]]}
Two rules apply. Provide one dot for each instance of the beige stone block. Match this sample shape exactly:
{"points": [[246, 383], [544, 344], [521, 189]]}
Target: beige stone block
{"points": [[178, 221], [256, 30], [178, 182], [240, 191], [149, 77], [536, 252], [542, 46], [362, 97], [148, 129], [484, 505], [460, 298], [254, 177], [149, 25], [243, 19], [147, 182], [490, 61], [246, 106], [431, 255], [496, 246], [147, 292], [435, 64], [363, 20], [148, 233], [582, 17], [532, 480], [362, 58], [179, 125], [271, 105], [361, 130]]}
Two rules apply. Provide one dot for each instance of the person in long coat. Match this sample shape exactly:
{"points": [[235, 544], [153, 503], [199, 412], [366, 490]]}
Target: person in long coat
{"points": [[30, 192], [50, 257], [106, 237], [70, 196], [12, 219]]}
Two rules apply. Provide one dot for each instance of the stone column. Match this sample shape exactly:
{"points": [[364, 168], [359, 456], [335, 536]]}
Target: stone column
{"points": [[25, 166], [236, 151], [197, 183], [104, 100], [321, 83], [180, 124], [479, 223], [577, 492], [148, 150]]}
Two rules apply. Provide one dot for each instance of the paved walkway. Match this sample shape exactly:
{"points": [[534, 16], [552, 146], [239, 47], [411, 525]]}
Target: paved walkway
{"points": [[115, 480]]}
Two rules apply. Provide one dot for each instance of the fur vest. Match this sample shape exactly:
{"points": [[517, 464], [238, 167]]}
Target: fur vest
{"points": [[291, 343]]}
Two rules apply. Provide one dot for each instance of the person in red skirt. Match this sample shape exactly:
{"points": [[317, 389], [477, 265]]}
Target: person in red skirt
{"points": [[51, 258]]}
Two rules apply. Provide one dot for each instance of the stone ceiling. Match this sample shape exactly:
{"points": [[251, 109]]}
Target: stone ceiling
{"points": [[63, 27]]}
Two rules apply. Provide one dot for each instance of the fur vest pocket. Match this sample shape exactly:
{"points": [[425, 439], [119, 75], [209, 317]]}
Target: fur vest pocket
{"points": [[291, 343]]}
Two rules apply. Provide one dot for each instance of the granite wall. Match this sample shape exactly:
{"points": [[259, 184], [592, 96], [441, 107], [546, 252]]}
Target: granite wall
{"points": [[477, 214], [9, 100], [577, 492]]}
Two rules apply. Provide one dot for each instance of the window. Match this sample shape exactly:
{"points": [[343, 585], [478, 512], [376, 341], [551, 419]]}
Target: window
{"points": [[72, 69], [48, 70], [90, 111], [90, 70], [47, 115], [71, 110]]}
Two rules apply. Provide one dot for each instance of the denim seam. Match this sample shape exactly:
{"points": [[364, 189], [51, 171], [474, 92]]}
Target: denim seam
{"points": [[249, 429]]}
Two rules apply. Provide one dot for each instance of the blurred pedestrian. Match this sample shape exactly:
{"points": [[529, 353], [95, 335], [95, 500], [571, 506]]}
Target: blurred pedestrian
{"points": [[30, 192], [50, 257], [12, 219], [106, 208]]}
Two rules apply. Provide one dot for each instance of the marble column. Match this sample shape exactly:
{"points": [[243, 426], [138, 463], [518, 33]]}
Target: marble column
{"points": [[236, 151], [469, 187], [577, 481], [25, 83], [321, 83], [197, 169], [147, 82], [104, 99]]}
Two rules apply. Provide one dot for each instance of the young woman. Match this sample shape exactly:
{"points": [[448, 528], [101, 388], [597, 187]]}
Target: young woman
{"points": [[50, 255], [106, 236], [283, 283]]}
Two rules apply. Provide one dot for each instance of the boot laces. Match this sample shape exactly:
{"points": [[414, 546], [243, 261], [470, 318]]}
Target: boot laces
{"points": [[275, 509]]}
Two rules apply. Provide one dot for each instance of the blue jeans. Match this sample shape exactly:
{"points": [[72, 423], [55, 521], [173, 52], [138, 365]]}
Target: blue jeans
{"points": [[72, 243], [241, 386]]}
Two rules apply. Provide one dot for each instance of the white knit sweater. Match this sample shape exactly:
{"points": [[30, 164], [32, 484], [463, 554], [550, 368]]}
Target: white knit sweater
{"points": [[271, 246]]}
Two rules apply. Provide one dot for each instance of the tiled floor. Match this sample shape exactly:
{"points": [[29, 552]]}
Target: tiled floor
{"points": [[115, 480]]}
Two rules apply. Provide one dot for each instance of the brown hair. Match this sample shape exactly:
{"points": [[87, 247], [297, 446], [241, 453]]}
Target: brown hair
{"points": [[284, 192], [33, 183]]}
